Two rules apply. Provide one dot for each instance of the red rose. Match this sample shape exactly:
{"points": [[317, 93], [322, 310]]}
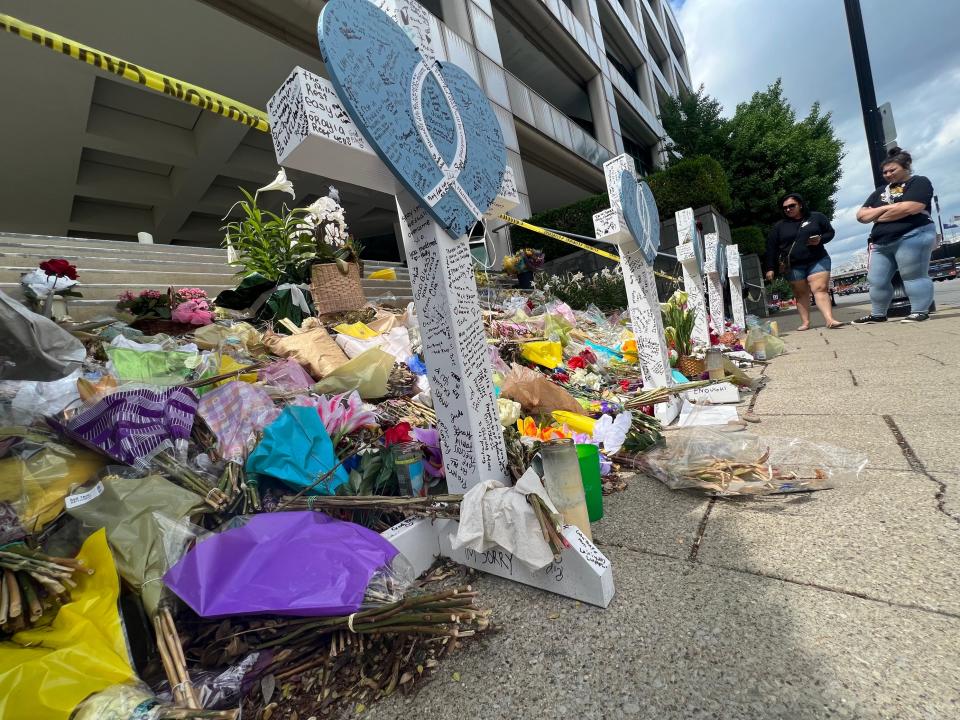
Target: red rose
{"points": [[397, 434], [625, 385], [60, 268], [589, 356], [561, 377], [577, 363], [647, 410]]}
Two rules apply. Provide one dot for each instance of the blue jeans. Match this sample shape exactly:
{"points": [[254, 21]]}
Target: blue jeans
{"points": [[802, 272], [911, 256]]}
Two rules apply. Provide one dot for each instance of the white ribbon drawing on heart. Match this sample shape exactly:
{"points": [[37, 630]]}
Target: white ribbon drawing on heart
{"points": [[450, 172], [643, 213]]}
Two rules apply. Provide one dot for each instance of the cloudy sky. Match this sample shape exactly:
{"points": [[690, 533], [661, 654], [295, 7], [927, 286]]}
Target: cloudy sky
{"points": [[736, 47]]}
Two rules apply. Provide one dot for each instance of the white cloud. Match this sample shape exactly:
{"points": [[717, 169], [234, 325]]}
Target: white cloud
{"points": [[736, 47]]}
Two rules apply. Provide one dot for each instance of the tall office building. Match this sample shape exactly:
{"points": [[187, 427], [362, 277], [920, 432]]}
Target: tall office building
{"points": [[572, 82]]}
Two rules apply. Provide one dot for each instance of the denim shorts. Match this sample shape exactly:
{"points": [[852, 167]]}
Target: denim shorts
{"points": [[802, 272]]}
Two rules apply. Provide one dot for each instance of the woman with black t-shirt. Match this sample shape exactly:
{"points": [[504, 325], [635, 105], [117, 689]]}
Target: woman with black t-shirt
{"points": [[902, 239], [797, 241]]}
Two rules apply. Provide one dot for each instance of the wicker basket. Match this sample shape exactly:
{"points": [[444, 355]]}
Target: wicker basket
{"points": [[691, 367], [335, 292]]}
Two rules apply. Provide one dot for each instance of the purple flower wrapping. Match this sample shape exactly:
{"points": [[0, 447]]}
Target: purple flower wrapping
{"points": [[290, 563], [131, 426]]}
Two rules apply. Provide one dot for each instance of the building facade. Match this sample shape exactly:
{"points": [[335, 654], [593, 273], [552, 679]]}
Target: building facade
{"points": [[572, 82]]}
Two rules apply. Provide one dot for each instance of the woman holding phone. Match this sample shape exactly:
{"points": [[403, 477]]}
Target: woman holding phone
{"points": [[795, 250]]}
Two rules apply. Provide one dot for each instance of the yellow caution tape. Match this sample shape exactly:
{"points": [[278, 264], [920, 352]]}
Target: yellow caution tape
{"points": [[576, 243], [187, 92], [561, 238]]}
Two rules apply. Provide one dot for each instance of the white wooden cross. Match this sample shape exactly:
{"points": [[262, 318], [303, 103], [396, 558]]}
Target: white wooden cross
{"points": [[610, 226], [312, 131], [736, 286], [690, 256], [715, 272]]}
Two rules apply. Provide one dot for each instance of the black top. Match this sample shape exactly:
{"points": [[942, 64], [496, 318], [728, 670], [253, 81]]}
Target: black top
{"points": [[786, 231], [918, 189]]}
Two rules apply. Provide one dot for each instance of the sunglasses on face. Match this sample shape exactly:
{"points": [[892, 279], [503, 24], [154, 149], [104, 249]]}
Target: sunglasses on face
{"points": [[792, 206]]}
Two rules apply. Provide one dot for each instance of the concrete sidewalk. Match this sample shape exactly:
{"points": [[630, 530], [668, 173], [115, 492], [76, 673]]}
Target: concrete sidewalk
{"points": [[842, 603]]}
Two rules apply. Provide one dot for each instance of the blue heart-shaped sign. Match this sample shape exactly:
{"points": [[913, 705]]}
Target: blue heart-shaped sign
{"points": [[640, 212], [429, 122]]}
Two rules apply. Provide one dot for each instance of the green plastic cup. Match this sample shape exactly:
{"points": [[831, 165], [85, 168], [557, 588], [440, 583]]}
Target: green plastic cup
{"points": [[589, 456]]}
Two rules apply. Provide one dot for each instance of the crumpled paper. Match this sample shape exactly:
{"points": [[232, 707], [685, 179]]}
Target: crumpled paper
{"points": [[536, 393], [313, 348], [492, 515]]}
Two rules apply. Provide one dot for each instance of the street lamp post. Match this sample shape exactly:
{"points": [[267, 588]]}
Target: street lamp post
{"points": [[872, 121]]}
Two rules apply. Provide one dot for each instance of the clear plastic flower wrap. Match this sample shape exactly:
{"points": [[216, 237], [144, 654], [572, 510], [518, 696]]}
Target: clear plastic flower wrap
{"points": [[737, 463]]}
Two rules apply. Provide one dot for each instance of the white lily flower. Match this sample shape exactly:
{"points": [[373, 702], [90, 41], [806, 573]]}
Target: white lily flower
{"points": [[280, 183], [612, 432]]}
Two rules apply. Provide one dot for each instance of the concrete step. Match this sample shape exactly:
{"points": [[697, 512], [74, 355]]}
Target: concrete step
{"points": [[112, 291], [143, 277], [99, 260], [67, 243]]}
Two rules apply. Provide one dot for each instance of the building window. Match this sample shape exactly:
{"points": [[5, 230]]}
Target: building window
{"points": [[641, 154], [628, 74], [434, 6]]}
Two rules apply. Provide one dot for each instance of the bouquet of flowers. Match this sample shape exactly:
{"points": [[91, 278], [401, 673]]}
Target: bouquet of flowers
{"points": [[189, 306], [525, 260], [54, 277]]}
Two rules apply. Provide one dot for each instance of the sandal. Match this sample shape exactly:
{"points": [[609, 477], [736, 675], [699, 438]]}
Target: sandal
{"points": [[835, 325], [803, 327]]}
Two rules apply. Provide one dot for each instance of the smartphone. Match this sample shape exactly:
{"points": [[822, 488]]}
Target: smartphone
{"points": [[813, 240]]}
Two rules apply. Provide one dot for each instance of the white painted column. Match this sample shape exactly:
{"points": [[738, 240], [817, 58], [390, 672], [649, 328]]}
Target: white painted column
{"points": [[690, 256], [734, 276], [643, 303], [716, 261]]}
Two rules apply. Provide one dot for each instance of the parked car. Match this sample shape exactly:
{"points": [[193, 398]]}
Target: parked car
{"points": [[944, 269]]}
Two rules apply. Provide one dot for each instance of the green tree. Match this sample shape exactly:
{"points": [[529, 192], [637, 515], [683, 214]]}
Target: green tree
{"points": [[694, 125], [691, 182], [764, 150], [771, 154], [750, 239]]}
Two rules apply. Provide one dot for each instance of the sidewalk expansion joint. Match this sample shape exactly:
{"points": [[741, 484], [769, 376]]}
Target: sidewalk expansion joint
{"points": [[701, 530], [853, 377], [917, 465], [790, 581], [835, 590], [939, 362], [756, 393]]}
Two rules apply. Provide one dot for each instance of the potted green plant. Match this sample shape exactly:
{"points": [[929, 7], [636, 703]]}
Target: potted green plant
{"points": [[335, 269], [678, 323], [298, 243]]}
